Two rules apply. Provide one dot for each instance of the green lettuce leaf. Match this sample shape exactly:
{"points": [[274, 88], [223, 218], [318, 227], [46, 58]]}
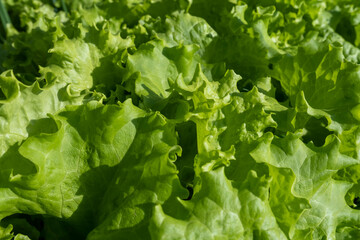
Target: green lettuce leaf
{"points": [[212, 215], [179, 119]]}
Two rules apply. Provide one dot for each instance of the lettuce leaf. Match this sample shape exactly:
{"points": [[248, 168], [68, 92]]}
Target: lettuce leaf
{"points": [[179, 119]]}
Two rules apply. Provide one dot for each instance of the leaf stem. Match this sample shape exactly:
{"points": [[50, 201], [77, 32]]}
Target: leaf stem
{"points": [[4, 17], [63, 5]]}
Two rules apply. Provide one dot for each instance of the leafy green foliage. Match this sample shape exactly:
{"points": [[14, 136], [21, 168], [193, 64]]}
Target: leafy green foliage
{"points": [[179, 119]]}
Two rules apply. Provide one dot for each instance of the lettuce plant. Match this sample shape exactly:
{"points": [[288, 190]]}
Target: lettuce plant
{"points": [[179, 119]]}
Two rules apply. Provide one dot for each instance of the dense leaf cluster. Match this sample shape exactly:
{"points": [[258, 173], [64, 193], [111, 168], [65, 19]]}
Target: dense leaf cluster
{"points": [[180, 119]]}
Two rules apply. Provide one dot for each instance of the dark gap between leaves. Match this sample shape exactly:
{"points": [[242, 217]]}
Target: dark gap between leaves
{"points": [[244, 86], [280, 94], [346, 30]]}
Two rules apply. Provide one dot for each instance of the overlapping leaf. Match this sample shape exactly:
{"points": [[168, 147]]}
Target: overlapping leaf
{"points": [[109, 110]]}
